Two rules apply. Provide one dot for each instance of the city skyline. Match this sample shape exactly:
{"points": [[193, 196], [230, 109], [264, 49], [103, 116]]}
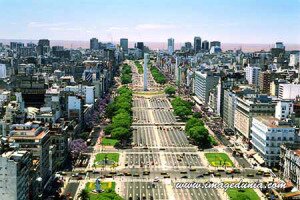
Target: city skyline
{"points": [[227, 21]]}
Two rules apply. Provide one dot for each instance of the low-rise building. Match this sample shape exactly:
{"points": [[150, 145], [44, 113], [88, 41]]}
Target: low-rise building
{"points": [[290, 163]]}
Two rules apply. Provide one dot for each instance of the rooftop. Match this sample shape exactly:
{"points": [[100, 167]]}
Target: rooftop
{"points": [[272, 122]]}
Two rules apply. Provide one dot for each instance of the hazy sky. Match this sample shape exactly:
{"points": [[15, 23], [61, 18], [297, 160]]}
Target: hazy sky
{"points": [[230, 21]]}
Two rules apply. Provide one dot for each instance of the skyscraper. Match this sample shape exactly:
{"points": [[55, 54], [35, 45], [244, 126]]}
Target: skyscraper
{"points": [[124, 44], [171, 46], [140, 45], [43, 47], [215, 44], [205, 45], [197, 44], [188, 46], [94, 44]]}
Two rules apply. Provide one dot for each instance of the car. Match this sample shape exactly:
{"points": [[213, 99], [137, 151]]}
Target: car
{"points": [[266, 174], [120, 174], [75, 175], [167, 176], [113, 172], [82, 173], [164, 173], [250, 175], [127, 174], [183, 172], [108, 176], [217, 174], [156, 179], [89, 170], [200, 176], [229, 171], [146, 173], [221, 170], [259, 173], [79, 178], [192, 170], [237, 171], [205, 174], [210, 172], [63, 173], [184, 177], [136, 175]]}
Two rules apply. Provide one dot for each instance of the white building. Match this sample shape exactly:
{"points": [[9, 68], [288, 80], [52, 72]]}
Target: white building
{"points": [[268, 133], [171, 46], [2, 71], [294, 59], [74, 106], [252, 75], [288, 91], [14, 175], [89, 94], [283, 109], [204, 83]]}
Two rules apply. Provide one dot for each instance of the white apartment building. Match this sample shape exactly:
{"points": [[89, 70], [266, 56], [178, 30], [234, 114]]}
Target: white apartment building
{"points": [[14, 175], [89, 94], [288, 91], [252, 75], [283, 109], [204, 83], [2, 71], [268, 134]]}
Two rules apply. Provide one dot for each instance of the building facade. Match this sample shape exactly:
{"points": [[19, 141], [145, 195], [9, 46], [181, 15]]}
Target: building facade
{"points": [[204, 83], [268, 133]]}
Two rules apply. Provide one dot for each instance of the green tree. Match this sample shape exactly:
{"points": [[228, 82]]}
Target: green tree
{"points": [[200, 135], [110, 110], [182, 112], [193, 122], [108, 129], [120, 133], [121, 120], [84, 195], [170, 90]]}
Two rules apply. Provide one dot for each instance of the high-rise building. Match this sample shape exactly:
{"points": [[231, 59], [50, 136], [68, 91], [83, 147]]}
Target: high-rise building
{"points": [[188, 46], [294, 59], [44, 42], [288, 91], [15, 175], [205, 45], [140, 45], [197, 44], [252, 75], [215, 44], [2, 71], [124, 44], [248, 107], [43, 47], [204, 83], [284, 109], [268, 133], [37, 139], [171, 46], [94, 44], [279, 45]]}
